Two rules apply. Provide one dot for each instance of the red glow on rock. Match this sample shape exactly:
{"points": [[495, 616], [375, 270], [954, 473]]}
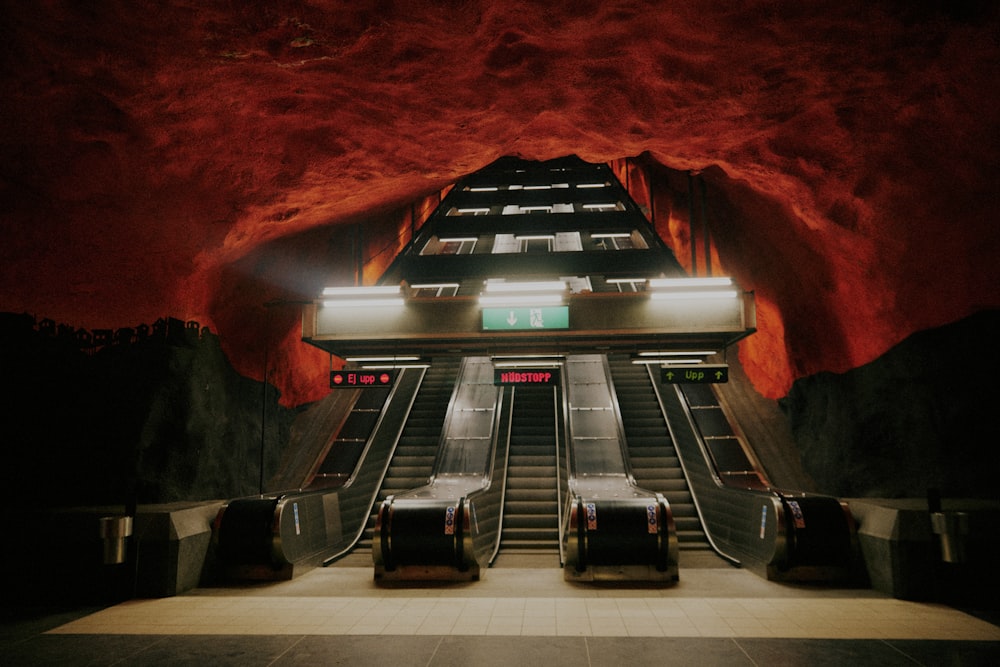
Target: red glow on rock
{"points": [[156, 161]]}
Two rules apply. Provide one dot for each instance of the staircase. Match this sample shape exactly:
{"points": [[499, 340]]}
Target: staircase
{"points": [[531, 509], [654, 461]]}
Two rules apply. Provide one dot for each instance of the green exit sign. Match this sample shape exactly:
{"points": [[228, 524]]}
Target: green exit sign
{"points": [[701, 374], [525, 319]]}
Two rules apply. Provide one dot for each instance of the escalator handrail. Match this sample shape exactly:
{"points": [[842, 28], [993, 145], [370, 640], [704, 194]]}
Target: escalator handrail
{"points": [[559, 419], [620, 424], [378, 423], [497, 440]]}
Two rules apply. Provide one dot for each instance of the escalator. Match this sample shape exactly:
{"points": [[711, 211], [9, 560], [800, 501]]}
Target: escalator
{"points": [[275, 535], [655, 464], [349, 443], [448, 528], [614, 530], [413, 461], [781, 534], [531, 506]]}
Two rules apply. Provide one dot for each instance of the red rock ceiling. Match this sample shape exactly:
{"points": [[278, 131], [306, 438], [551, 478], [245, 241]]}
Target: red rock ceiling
{"points": [[198, 159]]}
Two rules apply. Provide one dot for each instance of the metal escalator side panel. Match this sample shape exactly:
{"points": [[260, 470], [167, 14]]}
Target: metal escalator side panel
{"points": [[593, 427], [470, 425]]}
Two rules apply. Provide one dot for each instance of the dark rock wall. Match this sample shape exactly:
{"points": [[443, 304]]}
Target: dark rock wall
{"points": [[922, 416], [151, 421]]}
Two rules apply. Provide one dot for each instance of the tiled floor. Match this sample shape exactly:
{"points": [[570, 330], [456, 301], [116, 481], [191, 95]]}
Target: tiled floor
{"points": [[517, 616]]}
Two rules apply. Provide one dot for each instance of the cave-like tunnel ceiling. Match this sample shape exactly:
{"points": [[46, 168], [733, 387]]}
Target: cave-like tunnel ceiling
{"points": [[198, 159]]}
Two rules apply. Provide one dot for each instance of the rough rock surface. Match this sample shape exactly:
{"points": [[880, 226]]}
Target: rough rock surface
{"points": [[201, 159], [918, 418]]}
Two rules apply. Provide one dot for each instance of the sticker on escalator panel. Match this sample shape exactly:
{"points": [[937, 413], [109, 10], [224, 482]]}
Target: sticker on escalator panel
{"points": [[295, 513], [591, 516], [449, 521], [797, 517], [763, 520], [651, 519]]}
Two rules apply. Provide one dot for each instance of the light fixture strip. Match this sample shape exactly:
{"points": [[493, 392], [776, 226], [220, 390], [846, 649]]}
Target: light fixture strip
{"points": [[521, 300], [707, 294], [373, 290], [665, 362], [363, 303], [690, 282], [676, 353], [532, 286]]}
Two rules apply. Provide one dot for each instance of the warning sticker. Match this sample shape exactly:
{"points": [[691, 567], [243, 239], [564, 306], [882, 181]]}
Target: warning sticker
{"points": [[651, 519], [797, 518], [763, 520], [449, 521], [591, 516]]}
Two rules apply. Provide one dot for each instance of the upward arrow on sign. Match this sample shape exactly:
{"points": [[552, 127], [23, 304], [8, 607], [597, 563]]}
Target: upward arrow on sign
{"points": [[695, 374]]}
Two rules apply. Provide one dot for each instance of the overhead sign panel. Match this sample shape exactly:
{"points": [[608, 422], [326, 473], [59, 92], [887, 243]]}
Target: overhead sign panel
{"points": [[526, 376], [525, 319], [700, 374], [356, 379]]}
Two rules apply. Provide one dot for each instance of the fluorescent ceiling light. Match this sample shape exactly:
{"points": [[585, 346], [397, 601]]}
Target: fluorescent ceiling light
{"points": [[678, 362], [528, 357], [583, 186], [707, 294], [383, 358], [533, 286], [690, 282], [676, 353], [490, 188], [611, 235], [379, 290], [521, 300], [362, 303]]}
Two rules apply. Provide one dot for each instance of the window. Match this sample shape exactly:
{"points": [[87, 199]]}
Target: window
{"points": [[628, 284], [514, 209], [618, 241], [578, 284], [603, 207], [450, 246], [453, 211], [567, 242], [434, 290], [536, 243]]}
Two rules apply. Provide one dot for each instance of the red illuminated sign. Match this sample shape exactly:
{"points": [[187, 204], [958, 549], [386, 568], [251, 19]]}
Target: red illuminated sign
{"points": [[355, 379], [526, 376]]}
